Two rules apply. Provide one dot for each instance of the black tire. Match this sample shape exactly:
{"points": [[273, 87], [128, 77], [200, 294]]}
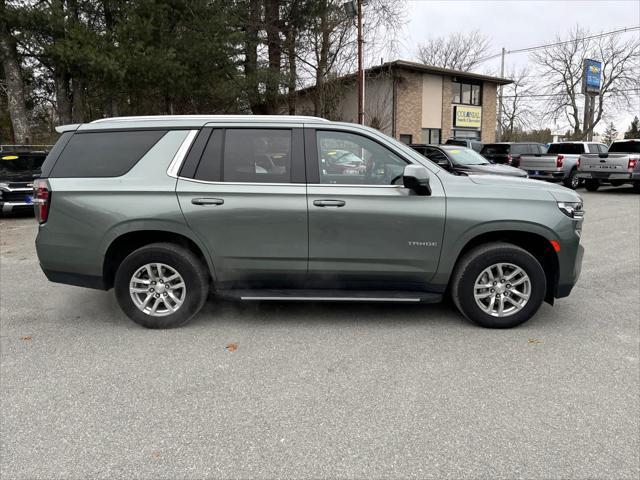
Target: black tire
{"points": [[471, 265], [636, 187], [572, 181], [185, 262], [591, 185]]}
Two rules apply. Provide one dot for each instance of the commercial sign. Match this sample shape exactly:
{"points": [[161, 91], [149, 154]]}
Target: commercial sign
{"points": [[591, 72], [464, 116]]}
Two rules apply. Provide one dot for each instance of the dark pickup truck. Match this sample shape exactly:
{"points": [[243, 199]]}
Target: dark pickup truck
{"points": [[18, 166]]}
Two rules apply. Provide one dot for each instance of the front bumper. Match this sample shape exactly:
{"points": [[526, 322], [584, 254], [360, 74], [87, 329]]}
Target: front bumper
{"points": [[14, 207], [567, 281], [551, 175], [16, 199]]}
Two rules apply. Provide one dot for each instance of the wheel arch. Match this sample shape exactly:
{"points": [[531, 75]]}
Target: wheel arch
{"points": [[536, 244], [126, 242]]}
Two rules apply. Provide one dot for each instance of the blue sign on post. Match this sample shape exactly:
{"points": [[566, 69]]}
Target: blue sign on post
{"points": [[592, 70]]}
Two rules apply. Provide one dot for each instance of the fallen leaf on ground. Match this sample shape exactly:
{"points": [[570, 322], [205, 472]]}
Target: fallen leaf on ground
{"points": [[534, 340], [155, 454], [232, 347], [27, 338]]}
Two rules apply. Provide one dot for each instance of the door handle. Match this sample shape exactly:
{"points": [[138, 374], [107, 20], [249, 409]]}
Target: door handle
{"points": [[207, 201], [329, 203]]}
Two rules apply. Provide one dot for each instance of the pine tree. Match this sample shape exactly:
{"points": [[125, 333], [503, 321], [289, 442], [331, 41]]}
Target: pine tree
{"points": [[634, 129], [610, 134]]}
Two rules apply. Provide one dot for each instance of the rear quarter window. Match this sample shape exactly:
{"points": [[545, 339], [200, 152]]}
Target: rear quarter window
{"points": [[104, 154]]}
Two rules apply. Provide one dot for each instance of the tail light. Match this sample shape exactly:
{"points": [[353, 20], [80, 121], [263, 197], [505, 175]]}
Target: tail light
{"points": [[633, 162], [559, 161], [509, 159], [41, 199]]}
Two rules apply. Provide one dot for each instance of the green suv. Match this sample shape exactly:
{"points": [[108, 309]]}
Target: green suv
{"points": [[166, 210]]}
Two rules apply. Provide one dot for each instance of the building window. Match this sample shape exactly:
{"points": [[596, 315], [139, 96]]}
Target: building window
{"points": [[406, 138], [431, 136], [466, 93]]}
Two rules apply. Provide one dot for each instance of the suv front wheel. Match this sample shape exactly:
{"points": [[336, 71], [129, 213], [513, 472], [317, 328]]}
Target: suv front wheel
{"points": [[161, 285], [498, 285]]}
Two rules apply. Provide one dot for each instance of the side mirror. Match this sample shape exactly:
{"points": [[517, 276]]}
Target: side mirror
{"points": [[416, 178]]}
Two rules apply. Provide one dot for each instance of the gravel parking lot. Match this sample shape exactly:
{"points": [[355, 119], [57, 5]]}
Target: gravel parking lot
{"points": [[325, 390]]}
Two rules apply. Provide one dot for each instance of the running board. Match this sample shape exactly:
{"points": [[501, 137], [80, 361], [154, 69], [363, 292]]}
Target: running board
{"points": [[332, 295]]}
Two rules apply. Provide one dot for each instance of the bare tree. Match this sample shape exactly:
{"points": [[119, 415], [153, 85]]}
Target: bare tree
{"points": [[517, 110], [328, 45], [459, 51], [560, 67]]}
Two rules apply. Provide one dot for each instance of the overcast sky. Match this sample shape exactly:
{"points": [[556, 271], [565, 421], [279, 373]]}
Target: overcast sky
{"points": [[515, 24]]}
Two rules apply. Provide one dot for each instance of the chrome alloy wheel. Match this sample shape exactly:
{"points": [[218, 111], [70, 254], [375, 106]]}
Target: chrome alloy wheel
{"points": [[502, 289], [157, 289]]}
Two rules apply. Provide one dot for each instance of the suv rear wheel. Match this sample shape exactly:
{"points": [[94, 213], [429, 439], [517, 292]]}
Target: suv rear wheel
{"points": [[498, 285], [161, 285]]}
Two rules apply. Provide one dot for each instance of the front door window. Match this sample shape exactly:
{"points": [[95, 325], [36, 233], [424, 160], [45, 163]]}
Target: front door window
{"points": [[351, 159]]}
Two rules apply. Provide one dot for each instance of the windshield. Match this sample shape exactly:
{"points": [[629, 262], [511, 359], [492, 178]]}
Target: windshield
{"points": [[625, 147], [466, 156]]}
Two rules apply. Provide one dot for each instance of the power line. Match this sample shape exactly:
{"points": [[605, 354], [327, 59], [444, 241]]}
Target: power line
{"points": [[551, 95], [537, 47]]}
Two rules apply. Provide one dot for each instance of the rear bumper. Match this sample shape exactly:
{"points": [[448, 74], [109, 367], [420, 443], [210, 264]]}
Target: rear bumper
{"points": [[75, 279], [628, 176], [552, 175]]}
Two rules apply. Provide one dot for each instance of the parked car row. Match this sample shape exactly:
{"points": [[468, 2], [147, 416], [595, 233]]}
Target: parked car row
{"points": [[571, 163]]}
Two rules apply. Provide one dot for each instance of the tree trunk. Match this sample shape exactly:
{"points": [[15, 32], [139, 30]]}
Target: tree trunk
{"points": [[293, 73], [274, 44], [77, 93], [15, 87], [63, 102], [251, 57], [321, 72]]}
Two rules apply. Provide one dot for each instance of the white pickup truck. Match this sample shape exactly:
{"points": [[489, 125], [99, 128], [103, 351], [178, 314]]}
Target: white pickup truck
{"points": [[620, 165], [560, 162]]}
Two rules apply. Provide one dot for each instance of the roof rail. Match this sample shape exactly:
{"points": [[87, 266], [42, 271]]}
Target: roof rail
{"points": [[282, 118]]}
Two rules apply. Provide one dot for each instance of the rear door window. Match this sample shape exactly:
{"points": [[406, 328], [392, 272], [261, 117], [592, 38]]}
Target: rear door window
{"points": [[518, 149], [257, 155], [593, 148], [104, 154]]}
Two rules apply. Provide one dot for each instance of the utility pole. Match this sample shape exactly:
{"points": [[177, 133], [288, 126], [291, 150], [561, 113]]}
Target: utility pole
{"points": [[500, 97], [586, 123], [360, 67]]}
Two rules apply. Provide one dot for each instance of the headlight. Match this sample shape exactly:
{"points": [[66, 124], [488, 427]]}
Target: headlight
{"points": [[571, 209]]}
